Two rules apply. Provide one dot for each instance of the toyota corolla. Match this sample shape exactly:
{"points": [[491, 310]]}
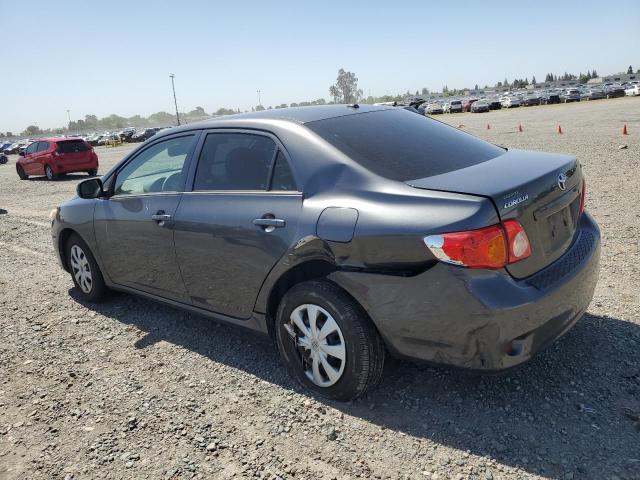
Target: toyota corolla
{"points": [[346, 233]]}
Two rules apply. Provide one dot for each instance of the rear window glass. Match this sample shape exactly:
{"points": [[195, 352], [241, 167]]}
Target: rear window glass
{"points": [[71, 146], [401, 145]]}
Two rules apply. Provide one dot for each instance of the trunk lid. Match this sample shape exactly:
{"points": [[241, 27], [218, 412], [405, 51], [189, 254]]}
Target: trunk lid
{"points": [[526, 186]]}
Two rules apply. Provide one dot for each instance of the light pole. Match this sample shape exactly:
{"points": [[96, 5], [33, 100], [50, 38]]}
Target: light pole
{"points": [[173, 87], [259, 100]]}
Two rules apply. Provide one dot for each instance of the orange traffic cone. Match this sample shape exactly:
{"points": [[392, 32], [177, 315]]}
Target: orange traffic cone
{"points": [[624, 130], [559, 130], [488, 127], [520, 127]]}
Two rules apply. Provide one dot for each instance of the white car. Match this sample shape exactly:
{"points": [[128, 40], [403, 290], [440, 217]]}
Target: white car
{"points": [[510, 101], [633, 90]]}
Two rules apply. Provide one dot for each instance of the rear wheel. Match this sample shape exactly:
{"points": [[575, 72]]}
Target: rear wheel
{"points": [[93, 172], [327, 342], [48, 171], [85, 272], [21, 174]]}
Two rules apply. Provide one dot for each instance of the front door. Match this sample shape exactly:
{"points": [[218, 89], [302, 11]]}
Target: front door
{"points": [[239, 219], [134, 225]]}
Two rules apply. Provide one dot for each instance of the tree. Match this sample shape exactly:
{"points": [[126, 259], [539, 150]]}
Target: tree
{"points": [[595, 74], [259, 108], [630, 70], [425, 91], [533, 80], [31, 130], [345, 90], [476, 87]]}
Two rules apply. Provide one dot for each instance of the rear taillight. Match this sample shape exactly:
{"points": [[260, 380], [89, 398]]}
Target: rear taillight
{"points": [[584, 189], [490, 247]]}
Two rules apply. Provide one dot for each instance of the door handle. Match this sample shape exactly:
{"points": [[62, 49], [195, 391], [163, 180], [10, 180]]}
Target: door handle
{"points": [[269, 223], [161, 217]]}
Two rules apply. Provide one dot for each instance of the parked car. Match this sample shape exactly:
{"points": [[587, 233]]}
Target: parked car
{"points": [[309, 224], [494, 104], [94, 140], [53, 157], [15, 147], [480, 106], [4, 146], [466, 104], [592, 94], [570, 95], [126, 134], [454, 106], [529, 100], [434, 109], [614, 91], [510, 101], [633, 90], [548, 98], [144, 134]]}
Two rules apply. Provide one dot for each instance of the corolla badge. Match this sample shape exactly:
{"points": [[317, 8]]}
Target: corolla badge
{"points": [[515, 201], [562, 181]]}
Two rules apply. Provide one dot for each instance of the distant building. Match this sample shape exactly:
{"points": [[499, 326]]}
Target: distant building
{"points": [[618, 77]]}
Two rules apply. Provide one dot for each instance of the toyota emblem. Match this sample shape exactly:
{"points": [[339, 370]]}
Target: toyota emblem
{"points": [[562, 181]]}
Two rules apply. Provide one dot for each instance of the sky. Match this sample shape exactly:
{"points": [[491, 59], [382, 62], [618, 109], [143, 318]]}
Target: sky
{"points": [[116, 56]]}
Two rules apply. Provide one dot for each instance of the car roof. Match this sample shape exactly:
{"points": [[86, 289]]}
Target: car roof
{"points": [[57, 139], [300, 115]]}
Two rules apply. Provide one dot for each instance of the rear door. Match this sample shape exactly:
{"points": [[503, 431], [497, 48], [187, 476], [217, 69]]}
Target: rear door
{"points": [[134, 225], [42, 156], [239, 218]]}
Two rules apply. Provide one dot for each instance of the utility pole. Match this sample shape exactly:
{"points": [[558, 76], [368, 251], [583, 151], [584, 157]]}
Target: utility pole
{"points": [[173, 87], [69, 117], [259, 100]]}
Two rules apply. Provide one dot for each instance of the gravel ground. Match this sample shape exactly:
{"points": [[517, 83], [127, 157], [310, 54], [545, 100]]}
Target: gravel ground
{"points": [[132, 389]]}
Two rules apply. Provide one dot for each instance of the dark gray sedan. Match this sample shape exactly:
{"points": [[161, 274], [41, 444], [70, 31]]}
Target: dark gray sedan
{"points": [[346, 233]]}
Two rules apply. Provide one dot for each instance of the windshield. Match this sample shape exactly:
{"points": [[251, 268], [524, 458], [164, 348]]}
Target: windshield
{"points": [[399, 145]]}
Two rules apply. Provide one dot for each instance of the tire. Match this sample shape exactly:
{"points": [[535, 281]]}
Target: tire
{"points": [[80, 259], [3, 159], [93, 172], [352, 335], [48, 171], [21, 174]]}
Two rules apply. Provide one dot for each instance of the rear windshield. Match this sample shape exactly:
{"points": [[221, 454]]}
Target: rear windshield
{"points": [[71, 146], [401, 145]]}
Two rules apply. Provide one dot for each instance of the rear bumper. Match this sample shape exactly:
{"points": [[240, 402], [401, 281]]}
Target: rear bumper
{"points": [[480, 319], [70, 167]]}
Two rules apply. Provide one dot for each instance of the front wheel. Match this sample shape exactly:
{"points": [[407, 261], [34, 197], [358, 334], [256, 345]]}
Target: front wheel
{"points": [[327, 342], [84, 269], [48, 171], [21, 174]]}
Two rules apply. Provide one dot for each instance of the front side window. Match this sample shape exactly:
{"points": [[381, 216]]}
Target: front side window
{"points": [[235, 161], [159, 168], [31, 148], [43, 146]]}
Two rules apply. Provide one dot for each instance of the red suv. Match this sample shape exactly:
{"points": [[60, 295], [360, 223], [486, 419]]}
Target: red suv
{"points": [[55, 156]]}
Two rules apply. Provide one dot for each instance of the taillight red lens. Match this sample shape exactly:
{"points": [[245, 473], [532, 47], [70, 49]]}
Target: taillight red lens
{"points": [[584, 189], [483, 248], [491, 247]]}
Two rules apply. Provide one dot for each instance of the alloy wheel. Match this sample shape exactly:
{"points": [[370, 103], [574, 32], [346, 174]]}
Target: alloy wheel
{"points": [[48, 172], [319, 343], [81, 269]]}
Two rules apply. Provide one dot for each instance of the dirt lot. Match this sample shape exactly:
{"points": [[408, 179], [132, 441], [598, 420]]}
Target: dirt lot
{"points": [[132, 389]]}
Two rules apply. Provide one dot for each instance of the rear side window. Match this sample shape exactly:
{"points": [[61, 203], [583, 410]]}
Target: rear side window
{"points": [[72, 146], [43, 146], [282, 177], [235, 161], [400, 145]]}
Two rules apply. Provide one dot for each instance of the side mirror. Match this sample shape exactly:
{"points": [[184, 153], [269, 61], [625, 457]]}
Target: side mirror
{"points": [[91, 188], [22, 153]]}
